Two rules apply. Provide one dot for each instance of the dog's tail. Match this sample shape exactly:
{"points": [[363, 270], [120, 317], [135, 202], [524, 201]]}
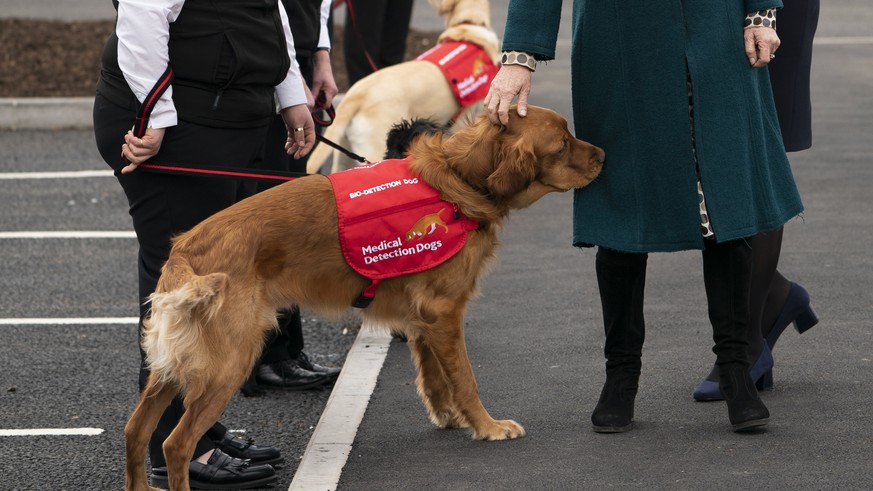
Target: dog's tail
{"points": [[336, 133], [182, 305]]}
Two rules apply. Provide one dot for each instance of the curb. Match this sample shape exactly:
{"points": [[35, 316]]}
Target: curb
{"points": [[46, 113]]}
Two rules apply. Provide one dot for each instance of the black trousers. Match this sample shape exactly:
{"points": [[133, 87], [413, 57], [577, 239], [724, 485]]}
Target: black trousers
{"points": [[162, 206], [286, 342], [380, 29], [789, 72]]}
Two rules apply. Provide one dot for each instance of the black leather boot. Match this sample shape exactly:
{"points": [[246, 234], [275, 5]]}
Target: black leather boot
{"points": [[621, 278], [745, 409], [727, 271]]}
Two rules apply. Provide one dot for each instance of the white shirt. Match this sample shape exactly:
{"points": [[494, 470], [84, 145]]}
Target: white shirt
{"points": [[143, 30], [323, 34]]}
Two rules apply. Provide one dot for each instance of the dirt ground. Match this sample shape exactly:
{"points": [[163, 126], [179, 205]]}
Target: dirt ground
{"points": [[62, 59]]}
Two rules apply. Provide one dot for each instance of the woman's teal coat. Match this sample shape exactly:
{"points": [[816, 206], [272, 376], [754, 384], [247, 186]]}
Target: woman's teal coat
{"points": [[630, 65]]}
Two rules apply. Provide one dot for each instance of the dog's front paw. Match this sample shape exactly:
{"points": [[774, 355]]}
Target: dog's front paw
{"points": [[505, 429]]}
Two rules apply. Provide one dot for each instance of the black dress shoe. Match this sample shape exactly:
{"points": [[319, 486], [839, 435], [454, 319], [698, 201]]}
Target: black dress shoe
{"points": [[245, 448], [304, 362], [221, 471], [290, 375]]}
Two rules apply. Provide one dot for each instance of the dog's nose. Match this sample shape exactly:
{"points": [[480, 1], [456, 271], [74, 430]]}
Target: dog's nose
{"points": [[601, 155]]}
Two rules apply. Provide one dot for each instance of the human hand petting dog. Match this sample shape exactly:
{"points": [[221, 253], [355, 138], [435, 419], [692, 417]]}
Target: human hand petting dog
{"points": [[510, 81], [137, 150], [301, 130], [761, 44]]}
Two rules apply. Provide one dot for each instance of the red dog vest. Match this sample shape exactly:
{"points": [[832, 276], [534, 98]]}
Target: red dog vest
{"points": [[392, 223], [467, 68]]}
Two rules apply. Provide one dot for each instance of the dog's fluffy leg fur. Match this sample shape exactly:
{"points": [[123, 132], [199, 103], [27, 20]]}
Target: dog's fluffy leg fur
{"points": [[152, 402], [200, 414], [445, 379], [452, 357], [186, 356], [433, 387]]}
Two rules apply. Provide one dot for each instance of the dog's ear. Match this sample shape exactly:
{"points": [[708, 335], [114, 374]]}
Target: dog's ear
{"points": [[515, 169]]}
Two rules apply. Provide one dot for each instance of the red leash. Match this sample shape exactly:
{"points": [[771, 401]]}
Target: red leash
{"points": [[163, 83], [354, 20], [223, 172]]}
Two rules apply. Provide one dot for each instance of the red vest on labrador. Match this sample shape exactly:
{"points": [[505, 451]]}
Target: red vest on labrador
{"points": [[467, 68]]}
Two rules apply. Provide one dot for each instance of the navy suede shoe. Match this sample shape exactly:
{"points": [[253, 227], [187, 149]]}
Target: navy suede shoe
{"points": [[761, 372], [796, 310]]}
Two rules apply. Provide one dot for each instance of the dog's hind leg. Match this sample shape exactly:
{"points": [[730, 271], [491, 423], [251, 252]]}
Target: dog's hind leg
{"points": [[433, 386], [200, 414], [446, 340], [153, 400], [209, 391]]}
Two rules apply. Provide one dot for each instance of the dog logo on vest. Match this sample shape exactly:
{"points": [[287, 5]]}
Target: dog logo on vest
{"points": [[478, 67], [427, 225]]}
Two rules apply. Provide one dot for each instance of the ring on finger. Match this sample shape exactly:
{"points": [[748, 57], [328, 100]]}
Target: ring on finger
{"points": [[296, 130]]}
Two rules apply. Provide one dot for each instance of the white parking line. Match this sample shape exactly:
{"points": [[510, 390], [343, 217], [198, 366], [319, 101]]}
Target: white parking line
{"points": [[69, 234], [79, 174], [66, 321], [331, 442], [53, 432]]}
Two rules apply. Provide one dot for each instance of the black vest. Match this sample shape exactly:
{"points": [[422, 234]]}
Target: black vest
{"points": [[305, 19], [227, 57]]}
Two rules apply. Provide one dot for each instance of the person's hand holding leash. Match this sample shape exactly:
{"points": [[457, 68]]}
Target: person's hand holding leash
{"points": [[510, 81], [301, 130], [137, 150], [322, 77]]}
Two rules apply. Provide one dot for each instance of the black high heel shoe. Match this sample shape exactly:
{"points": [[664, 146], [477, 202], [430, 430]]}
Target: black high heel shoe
{"points": [[796, 310]]}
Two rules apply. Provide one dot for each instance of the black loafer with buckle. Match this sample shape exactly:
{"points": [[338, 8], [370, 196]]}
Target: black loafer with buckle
{"points": [[245, 448], [221, 472], [307, 364], [288, 374]]}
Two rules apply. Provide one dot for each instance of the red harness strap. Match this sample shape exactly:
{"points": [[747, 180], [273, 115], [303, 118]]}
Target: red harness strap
{"points": [[148, 104], [467, 68], [392, 223]]}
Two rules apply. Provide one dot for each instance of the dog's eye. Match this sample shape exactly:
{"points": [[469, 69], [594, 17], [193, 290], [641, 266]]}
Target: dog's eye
{"points": [[565, 144]]}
